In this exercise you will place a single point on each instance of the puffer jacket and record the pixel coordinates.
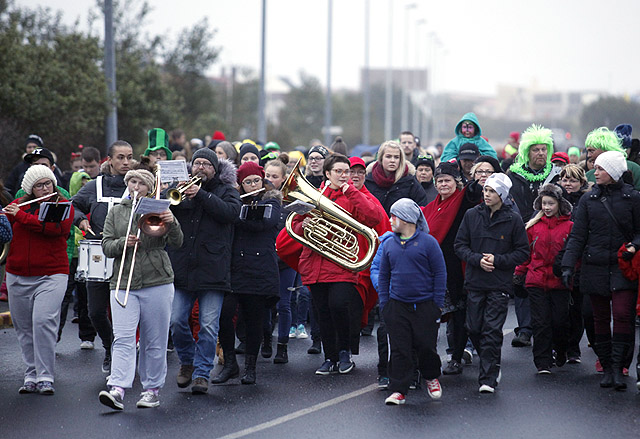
(502, 235)
(152, 267)
(546, 238)
(315, 268)
(203, 263)
(596, 238)
(254, 263)
(405, 187)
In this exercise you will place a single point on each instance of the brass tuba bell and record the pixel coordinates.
(332, 231)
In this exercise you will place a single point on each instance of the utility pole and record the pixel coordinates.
(262, 125)
(111, 123)
(328, 110)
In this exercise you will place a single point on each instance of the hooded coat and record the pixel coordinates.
(452, 149)
(203, 262)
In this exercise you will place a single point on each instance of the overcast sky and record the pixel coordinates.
(550, 44)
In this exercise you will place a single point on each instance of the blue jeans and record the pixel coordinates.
(523, 313)
(300, 303)
(287, 280)
(201, 353)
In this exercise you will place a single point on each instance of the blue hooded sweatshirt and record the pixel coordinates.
(452, 149)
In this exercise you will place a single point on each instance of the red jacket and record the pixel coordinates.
(38, 249)
(630, 270)
(313, 267)
(546, 239)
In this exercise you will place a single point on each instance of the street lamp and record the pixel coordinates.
(405, 77)
(328, 104)
(388, 98)
(418, 104)
(366, 89)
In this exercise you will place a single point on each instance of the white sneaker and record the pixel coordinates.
(486, 389)
(292, 332)
(499, 376)
(396, 398)
(87, 344)
(434, 389)
(148, 399)
(301, 332)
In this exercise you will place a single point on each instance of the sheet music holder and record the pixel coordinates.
(299, 207)
(252, 212)
(54, 212)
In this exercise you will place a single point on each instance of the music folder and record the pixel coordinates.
(54, 212)
(255, 212)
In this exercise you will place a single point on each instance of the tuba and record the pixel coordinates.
(332, 232)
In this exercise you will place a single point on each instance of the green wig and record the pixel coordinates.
(605, 139)
(534, 135)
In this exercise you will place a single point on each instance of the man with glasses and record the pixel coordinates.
(202, 266)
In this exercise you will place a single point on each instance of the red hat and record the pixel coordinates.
(515, 135)
(357, 161)
(561, 156)
(249, 168)
(219, 135)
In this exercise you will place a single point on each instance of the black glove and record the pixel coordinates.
(567, 274)
(627, 256)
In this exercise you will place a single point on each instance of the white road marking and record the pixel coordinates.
(299, 413)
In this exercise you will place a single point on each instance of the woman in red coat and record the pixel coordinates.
(333, 287)
(547, 232)
(37, 272)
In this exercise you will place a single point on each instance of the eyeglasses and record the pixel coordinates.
(316, 159)
(480, 172)
(206, 165)
(44, 184)
(340, 172)
(357, 172)
(251, 182)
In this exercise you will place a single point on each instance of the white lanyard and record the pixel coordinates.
(110, 200)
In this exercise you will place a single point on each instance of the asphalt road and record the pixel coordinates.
(290, 401)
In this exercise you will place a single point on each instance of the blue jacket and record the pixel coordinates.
(416, 269)
(375, 265)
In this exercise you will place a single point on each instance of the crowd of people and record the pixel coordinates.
(415, 237)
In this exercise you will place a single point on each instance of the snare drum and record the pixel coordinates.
(92, 264)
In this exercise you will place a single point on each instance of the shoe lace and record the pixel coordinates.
(147, 395)
(433, 385)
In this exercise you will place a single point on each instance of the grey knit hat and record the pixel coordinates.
(143, 175)
(35, 173)
(208, 154)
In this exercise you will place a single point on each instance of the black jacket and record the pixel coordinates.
(596, 238)
(406, 187)
(203, 263)
(503, 235)
(85, 201)
(429, 189)
(254, 263)
(524, 192)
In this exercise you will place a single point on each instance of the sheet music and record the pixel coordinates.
(173, 170)
(151, 205)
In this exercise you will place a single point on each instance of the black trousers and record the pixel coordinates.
(333, 302)
(383, 347)
(355, 320)
(576, 323)
(459, 334)
(252, 311)
(486, 314)
(412, 327)
(98, 304)
(550, 321)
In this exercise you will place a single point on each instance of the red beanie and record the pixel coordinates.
(249, 168)
(218, 135)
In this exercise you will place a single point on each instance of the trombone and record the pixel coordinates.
(123, 303)
(176, 195)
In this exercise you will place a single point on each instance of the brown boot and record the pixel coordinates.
(184, 375)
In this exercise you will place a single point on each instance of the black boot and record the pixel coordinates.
(267, 350)
(281, 354)
(619, 351)
(603, 351)
(249, 376)
(229, 370)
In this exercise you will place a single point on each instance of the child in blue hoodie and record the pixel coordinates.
(412, 282)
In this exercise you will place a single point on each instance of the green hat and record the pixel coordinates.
(573, 150)
(158, 140)
(272, 146)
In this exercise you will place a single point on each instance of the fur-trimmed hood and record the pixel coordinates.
(553, 191)
(227, 172)
(273, 194)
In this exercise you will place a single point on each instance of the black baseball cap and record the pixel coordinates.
(38, 153)
(468, 151)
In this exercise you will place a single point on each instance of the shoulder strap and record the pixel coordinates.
(110, 200)
(605, 203)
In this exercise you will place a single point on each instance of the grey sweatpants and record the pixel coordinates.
(34, 302)
(151, 308)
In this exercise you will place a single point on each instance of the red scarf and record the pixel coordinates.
(381, 178)
(441, 214)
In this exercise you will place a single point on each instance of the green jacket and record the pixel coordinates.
(631, 166)
(153, 266)
(452, 149)
(72, 251)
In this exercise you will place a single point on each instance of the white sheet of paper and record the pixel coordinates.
(151, 205)
(173, 170)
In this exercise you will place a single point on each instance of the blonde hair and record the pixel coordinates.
(401, 166)
(574, 171)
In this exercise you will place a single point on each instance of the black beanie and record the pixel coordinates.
(492, 161)
(448, 168)
(248, 147)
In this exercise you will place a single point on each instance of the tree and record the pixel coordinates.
(609, 111)
(303, 112)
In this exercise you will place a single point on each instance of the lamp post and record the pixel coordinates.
(404, 118)
(366, 89)
(328, 104)
(111, 125)
(262, 124)
(388, 97)
(417, 105)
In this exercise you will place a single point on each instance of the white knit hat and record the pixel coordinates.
(500, 183)
(613, 162)
(35, 173)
